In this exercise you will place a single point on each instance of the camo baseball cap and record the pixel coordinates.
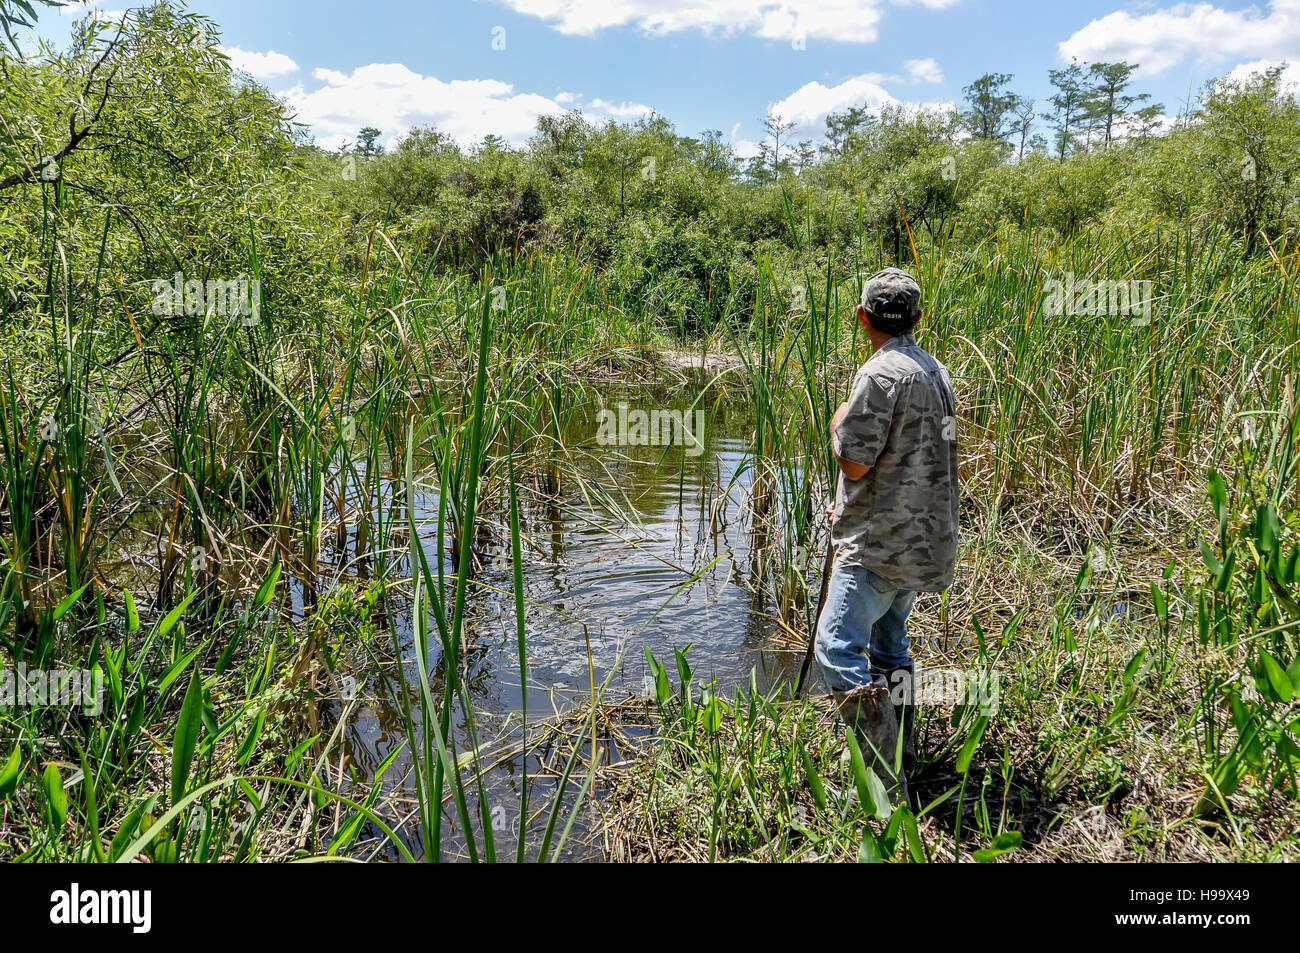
(892, 295)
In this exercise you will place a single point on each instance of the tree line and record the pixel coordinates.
(140, 137)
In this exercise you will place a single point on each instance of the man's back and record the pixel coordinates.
(900, 519)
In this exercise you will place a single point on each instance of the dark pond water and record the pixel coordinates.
(628, 578)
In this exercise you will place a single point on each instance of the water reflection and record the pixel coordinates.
(629, 580)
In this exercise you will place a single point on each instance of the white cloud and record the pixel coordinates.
(91, 8)
(624, 110)
(809, 105)
(1201, 31)
(1130, 125)
(742, 147)
(395, 99)
(1290, 72)
(600, 109)
(847, 20)
(268, 65)
(924, 71)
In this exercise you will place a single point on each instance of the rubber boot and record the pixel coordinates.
(902, 696)
(867, 712)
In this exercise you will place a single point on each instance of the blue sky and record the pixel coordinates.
(477, 66)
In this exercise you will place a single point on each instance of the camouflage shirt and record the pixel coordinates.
(900, 519)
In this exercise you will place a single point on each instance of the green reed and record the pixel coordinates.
(455, 391)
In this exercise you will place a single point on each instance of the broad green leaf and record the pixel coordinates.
(170, 619)
(871, 793)
(1218, 494)
(1134, 664)
(814, 780)
(249, 743)
(1158, 601)
(972, 742)
(1211, 561)
(132, 614)
(879, 795)
(1218, 788)
(859, 769)
(124, 834)
(56, 800)
(176, 668)
(92, 808)
(1278, 679)
(1003, 843)
(869, 851)
(68, 601)
(10, 774)
(186, 737)
(267, 589)
(914, 845)
(1267, 529)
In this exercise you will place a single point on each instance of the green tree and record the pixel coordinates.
(991, 105)
(20, 13)
(1108, 101)
(367, 139)
(768, 165)
(1146, 121)
(843, 127)
(1069, 105)
(1024, 123)
(712, 154)
(141, 125)
(1247, 143)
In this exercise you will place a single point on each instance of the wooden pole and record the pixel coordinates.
(821, 604)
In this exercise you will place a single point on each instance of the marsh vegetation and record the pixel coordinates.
(358, 579)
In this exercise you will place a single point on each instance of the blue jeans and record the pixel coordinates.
(864, 624)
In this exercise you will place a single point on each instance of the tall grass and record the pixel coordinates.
(272, 434)
(339, 473)
(1085, 440)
